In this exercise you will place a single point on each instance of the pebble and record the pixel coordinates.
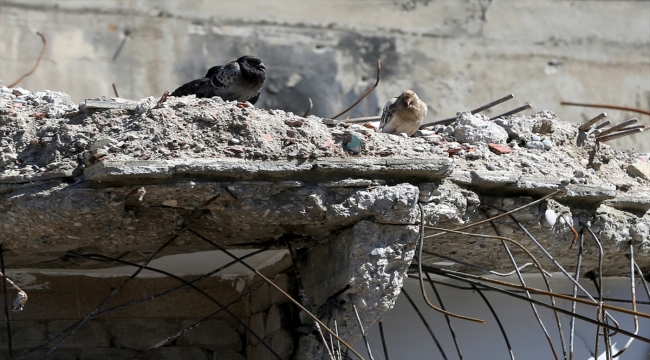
(535, 145)
(490, 167)
(171, 202)
(550, 217)
(548, 144)
(235, 141)
(535, 137)
(20, 91)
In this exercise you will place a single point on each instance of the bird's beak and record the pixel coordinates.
(408, 102)
(261, 66)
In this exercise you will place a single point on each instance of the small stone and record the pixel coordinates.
(171, 202)
(550, 217)
(234, 141)
(640, 169)
(535, 137)
(506, 229)
(198, 148)
(500, 149)
(490, 167)
(20, 91)
(535, 145)
(548, 144)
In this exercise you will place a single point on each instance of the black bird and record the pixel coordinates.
(239, 80)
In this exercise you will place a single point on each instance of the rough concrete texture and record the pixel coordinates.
(72, 182)
(371, 259)
(454, 54)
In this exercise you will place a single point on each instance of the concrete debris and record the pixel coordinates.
(73, 179)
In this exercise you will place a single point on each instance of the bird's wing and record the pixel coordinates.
(225, 76)
(387, 113)
(254, 99)
(198, 87)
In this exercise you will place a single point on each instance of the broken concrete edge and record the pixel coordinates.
(413, 171)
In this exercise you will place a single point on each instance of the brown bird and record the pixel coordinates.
(403, 114)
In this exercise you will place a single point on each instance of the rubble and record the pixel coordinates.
(113, 176)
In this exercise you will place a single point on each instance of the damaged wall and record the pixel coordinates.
(454, 54)
(249, 178)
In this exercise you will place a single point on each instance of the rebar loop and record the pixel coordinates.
(424, 292)
(600, 312)
(426, 324)
(547, 283)
(206, 295)
(442, 306)
(294, 301)
(196, 215)
(468, 278)
(521, 280)
(304, 298)
(444, 231)
(494, 313)
(633, 290)
(575, 293)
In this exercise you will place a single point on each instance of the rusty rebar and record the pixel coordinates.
(494, 313)
(521, 280)
(575, 293)
(442, 306)
(477, 110)
(474, 266)
(303, 295)
(365, 94)
(587, 125)
(362, 119)
(363, 332)
(383, 340)
(618, 127)
(294, 301)
(115, 90)
(195, 216)
(546, 282)
(600, 310)
(633, 291)
(420, 245)
(195, 288)
(38, 61)
(468, 279)
(619, 134)
(604, 106)
(311, 105)
(444, 231)
(163, 98)
(513, 111)
(425, 323)
(6, 304)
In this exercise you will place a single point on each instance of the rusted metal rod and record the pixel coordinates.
(603, 106)
(365, 94)
(587, 125)
(477, 110)
(618, 135)
(618, 127)
(514, 111)
(278, 289)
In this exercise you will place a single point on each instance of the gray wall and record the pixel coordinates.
(455, 54)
